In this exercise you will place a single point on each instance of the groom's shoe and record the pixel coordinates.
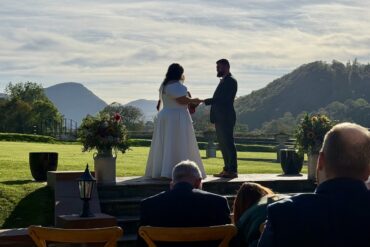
(219, 175)
(230, 175)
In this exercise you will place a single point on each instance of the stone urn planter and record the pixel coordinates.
(41, 163)
(311, 165)
(291, 161)
(210, 136)
(105, 168)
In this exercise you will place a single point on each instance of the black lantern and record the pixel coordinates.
(86, 185)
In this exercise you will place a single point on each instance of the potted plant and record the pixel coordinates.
(309, 135)
(104, 133)
(291, 161)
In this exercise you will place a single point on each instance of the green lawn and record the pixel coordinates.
(24, 202)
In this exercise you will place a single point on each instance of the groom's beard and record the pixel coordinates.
(219, 74)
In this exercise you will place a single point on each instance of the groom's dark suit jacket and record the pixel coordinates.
(222, 102)
(184, 206)
(337, 214)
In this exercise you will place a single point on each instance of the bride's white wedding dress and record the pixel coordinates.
(173, 137)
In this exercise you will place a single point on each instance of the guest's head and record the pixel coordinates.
(345, 153)
(187, 171)
(222, 67)
(247, 195)
(175, 72)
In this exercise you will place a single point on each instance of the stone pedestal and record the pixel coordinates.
(211, 150)
(281, 138)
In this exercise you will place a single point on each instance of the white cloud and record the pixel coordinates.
(121, 49)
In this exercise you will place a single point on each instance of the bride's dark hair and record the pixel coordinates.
(174, 72)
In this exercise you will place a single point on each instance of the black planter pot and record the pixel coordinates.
(41, 163)
(291, 162)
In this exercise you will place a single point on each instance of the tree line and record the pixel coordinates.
(25, 107)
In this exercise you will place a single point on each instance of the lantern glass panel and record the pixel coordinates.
(85, 188)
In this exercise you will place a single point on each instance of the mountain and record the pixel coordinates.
(3, 96)
(148, 107)
(307, 88)
(74, 100)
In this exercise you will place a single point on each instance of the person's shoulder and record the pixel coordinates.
(289, 203)
(154, 199)
(175, 88)
(231, 78)
(176, 84)
(209, 195)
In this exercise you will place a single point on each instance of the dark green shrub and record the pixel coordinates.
(16, 137)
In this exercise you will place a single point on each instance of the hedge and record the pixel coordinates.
(133, 142)
(16, 137)
(203, 145)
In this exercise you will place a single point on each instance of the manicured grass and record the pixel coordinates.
(24, 202)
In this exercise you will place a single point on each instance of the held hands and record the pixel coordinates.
(196, 101)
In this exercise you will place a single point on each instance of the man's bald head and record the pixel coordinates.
(346, 151)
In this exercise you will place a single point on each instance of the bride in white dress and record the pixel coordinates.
(173, 137)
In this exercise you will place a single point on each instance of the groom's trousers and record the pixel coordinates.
(225, 137)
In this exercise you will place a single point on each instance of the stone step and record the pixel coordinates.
(118, 207)
(129, 207)
(113, 191)
(221, 186)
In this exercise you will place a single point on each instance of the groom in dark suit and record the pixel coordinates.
(224, 117)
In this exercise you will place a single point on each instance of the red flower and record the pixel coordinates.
(117, 117)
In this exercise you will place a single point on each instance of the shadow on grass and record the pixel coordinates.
(35, 209)
(17, 182)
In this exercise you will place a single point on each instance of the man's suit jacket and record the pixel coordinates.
(184, 206)
(337, 214)
(222, 102)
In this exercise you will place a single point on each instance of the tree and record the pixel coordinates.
(28, 92)
(132, 117)
(27, 106)
(285, 124)
(16, 117)
(45, 111)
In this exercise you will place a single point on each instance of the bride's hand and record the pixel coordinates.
(196, 101)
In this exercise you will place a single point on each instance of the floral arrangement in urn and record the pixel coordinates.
(104, 133)
(311, 131)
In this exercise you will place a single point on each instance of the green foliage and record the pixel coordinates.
(133, 117)
(307, 89)
(285, 124)
(203, 146)
(45, 110)
(16, 137)
(26, 107)
(201, 118)
(103, 133)
(28, 92)
(311, 131)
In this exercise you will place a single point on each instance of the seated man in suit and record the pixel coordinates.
(338, 212)
(185, 205)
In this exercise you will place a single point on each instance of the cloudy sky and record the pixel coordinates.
(121, 49)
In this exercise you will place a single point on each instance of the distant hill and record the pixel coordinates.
(74, 100)
(148, 107)
(3, 96)
(307, 88)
